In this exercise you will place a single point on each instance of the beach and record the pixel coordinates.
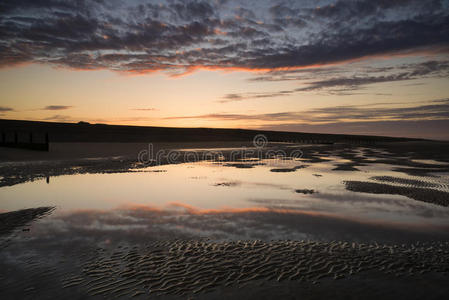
(192, 149)
(191, 249)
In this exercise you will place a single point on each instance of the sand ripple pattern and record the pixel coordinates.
(413, 182)
(421, 194)
(190, 267)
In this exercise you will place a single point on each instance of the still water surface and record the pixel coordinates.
(266, 199)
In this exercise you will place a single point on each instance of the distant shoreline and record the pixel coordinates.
(85, 132)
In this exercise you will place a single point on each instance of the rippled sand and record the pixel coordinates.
(417, 193)
(192, 267)
(83, 258)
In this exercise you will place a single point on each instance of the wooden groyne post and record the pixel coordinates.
(25, 143)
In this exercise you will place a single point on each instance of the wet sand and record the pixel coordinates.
(410, 182)
(416, 193)
(195, 269)
(304, 191)
(16, 220)
(251, 269)
(368, 285)
(89, 150)
(285, 170)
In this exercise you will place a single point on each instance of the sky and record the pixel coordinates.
(357, 67)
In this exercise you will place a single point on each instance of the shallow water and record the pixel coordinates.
(110, 231)
(264, 200)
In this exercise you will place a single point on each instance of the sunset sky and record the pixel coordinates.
(362, 67)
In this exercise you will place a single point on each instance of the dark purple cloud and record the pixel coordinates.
(182, 35)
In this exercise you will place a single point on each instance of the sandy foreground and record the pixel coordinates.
(206, 269)
(243, 269)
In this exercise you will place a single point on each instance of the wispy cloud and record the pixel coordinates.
(57, 107)
(59, 118)
(337, 82)
(431, 129)
(145, 109)
(428, 120)
(435, 110)
(4, 109)
(412, 72)
(232, 98)
(245, 96)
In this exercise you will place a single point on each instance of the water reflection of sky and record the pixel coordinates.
(227, 202)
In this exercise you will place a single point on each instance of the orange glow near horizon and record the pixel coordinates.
(226, 64)
(167, 98)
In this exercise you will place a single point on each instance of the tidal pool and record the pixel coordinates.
(250, 199)
(182, 229)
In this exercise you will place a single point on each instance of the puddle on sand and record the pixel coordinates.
(220, 200)
(109, 230)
